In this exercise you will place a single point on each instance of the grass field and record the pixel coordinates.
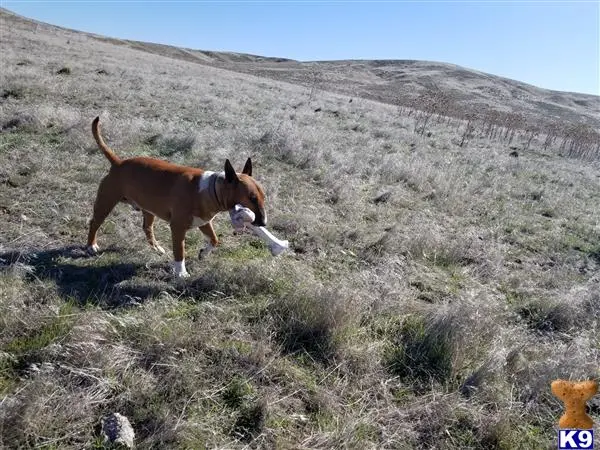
(431, 294)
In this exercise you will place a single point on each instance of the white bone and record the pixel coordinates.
(240, 216)
(275, 245)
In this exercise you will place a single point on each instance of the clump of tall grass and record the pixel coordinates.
(312, 320)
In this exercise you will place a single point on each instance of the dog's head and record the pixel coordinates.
(246, 191)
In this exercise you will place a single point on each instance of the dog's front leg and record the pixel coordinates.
(149, 231)
(178, 237)
(213, 241)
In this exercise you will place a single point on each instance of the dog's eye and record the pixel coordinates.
(254, 199)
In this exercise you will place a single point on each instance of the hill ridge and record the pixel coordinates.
(389, 81)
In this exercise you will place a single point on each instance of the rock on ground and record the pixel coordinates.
(116, 429)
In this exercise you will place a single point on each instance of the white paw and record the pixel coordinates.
(159, 249)
(179, 269)
(93, 249)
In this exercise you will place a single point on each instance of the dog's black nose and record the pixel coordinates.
(260, 219)
(259, 222)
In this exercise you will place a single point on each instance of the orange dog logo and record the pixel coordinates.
(574, 395)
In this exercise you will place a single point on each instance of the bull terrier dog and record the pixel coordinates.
(185, 197)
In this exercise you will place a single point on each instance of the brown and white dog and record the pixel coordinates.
(185, 197)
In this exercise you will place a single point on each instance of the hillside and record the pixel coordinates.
(391, 81)
(441, 274)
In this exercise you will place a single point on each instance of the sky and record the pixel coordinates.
(554, 45)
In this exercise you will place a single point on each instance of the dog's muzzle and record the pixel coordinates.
(260, 218)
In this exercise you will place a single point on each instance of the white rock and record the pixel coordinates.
(116, 429)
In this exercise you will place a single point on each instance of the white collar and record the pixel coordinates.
(207, 177)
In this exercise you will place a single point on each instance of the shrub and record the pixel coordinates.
(550, 316)
(14, 92)
(284, 145)
(171, 145)
(251, 420)
(422, 351)
(236, 392)
(21, 122)
(310, 321)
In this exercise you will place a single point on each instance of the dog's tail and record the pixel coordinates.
(110, 155)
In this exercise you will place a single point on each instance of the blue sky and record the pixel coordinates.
(553, 45)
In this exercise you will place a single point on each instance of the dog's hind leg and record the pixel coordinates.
(178, 236)
(106, 199)
(149, 231)
(209, 232)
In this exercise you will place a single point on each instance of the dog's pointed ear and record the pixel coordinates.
(248, 167)
(230, 174)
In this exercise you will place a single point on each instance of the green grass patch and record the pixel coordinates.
(521, 435)
(18, 353)
(250, 420)
(549, 316)
(299, 369)
(237, 392)
(365, 432)
(513, 297)
(184, 310)
(12, 141)
(581, 239)
(420, 352)
(245, 251)
(8, 379)
(56, 329)
(309, 321)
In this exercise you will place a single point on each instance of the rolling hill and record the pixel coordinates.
(389, 81)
